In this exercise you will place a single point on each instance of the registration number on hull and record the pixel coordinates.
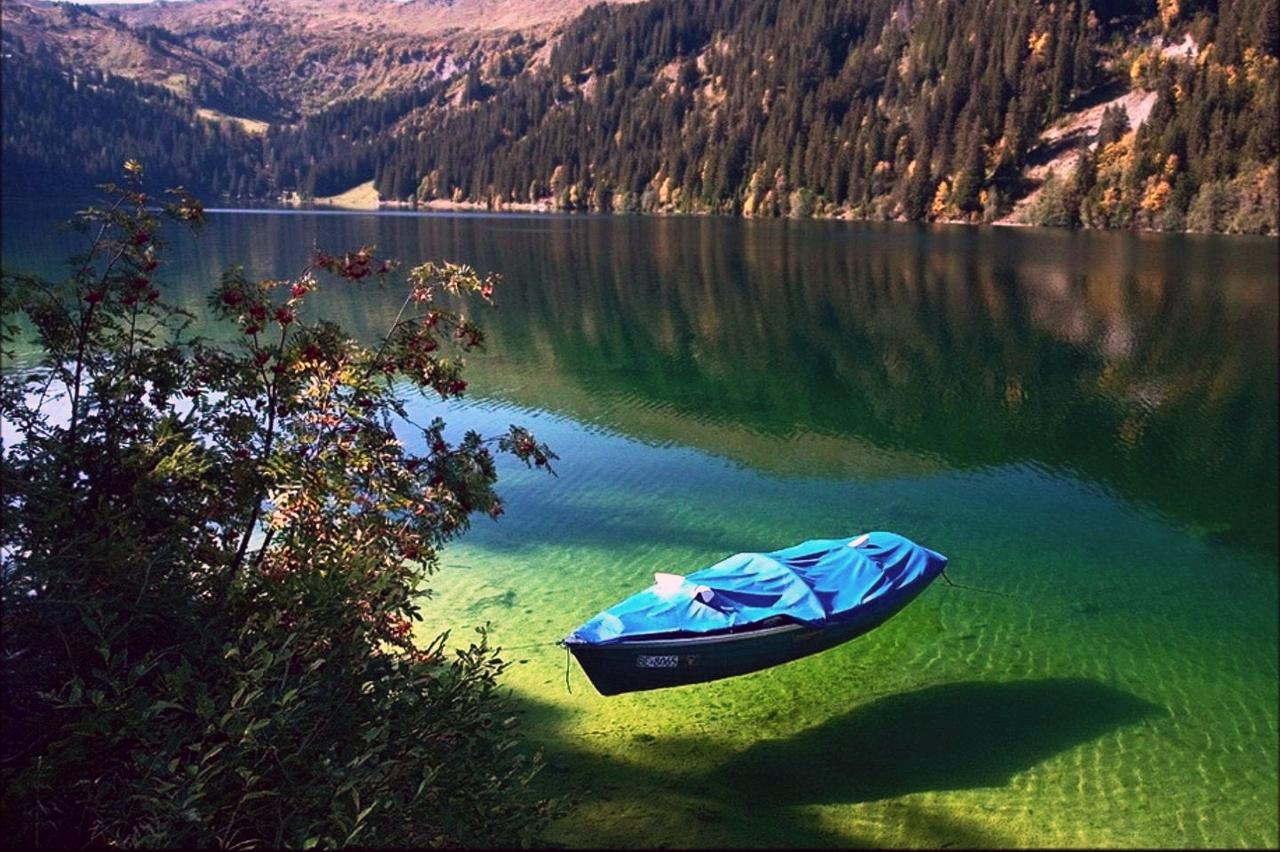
(657, 661)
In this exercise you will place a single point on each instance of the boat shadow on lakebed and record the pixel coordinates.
(951, 736)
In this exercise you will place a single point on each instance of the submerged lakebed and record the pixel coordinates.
(1084, 422)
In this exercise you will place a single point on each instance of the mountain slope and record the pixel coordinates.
(880, 109)
(83, 38)
(889, 109)
(65, 131)
(312, 52)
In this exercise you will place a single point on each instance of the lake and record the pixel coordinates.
(1083, 422)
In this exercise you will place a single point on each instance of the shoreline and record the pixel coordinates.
(363, 199)
(333, 206)
(439, 207)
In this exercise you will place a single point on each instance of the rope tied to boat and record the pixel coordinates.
(543, 644)
(972, 588)
(567, 661)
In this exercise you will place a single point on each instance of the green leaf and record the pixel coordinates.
(212, 753)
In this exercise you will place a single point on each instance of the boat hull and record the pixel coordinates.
(640, 664)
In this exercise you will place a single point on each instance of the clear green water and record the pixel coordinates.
(1086, 422)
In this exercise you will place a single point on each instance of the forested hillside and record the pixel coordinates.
(775, 108)
(1098, 113)
(65, 131)
(875, 109)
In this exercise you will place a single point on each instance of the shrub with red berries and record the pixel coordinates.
(213, 562)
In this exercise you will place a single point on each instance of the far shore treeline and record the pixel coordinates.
(974, 110)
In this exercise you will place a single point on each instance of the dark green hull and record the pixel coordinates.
(638, 664)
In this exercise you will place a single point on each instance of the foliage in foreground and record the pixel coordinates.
(212, 562)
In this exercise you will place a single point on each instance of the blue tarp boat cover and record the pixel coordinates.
(815, 582)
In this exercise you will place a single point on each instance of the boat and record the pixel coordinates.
(751, 611)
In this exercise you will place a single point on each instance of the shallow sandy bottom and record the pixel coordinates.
(1124, 696)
